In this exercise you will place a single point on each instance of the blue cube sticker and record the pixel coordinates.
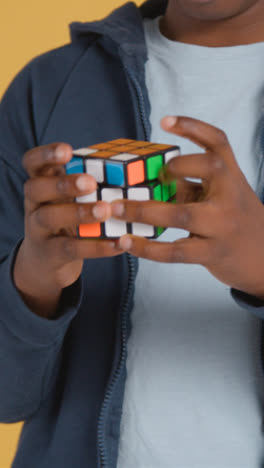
(115, 174)
(74, 166)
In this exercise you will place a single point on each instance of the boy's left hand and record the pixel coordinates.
(224, 216)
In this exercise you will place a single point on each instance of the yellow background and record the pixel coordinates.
(29, 28)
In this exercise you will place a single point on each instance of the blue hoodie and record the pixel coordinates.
(65, 377)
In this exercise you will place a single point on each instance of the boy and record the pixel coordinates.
(163, 369)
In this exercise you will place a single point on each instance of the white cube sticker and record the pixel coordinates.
(113, 227)
(143, 230)
(84, 151)
(171, 154)
(140, 193)
(124, 157)
(111, 194)
(95, 168)
(90, 198)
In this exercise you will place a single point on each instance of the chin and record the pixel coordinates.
(214, 10)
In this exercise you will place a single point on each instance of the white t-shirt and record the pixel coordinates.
(192, 394)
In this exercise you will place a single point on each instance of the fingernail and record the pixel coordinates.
(170, 121)
(98, 211)
(118, 209)
(82, 183)
(59, 153)
(125, 243)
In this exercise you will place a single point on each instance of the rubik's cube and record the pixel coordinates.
(123, 169)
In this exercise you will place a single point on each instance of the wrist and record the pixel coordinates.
(41, 296)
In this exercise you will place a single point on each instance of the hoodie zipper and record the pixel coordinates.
(111, 385)
(140, 100)
(103, 462)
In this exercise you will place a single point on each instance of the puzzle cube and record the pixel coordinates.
(114, 228)
(122, 162)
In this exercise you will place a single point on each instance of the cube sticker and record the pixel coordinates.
(141, 194)
(122, 162)
(115, 174)
(154, 165)
(113, 227)
(95, 168)
(90, 230)
(90, 198)
(173, 188)
(135, 172)
(157, 191)
(124, 169)
(165, 193)
(84, 151)
(171, 154)
(75, 166)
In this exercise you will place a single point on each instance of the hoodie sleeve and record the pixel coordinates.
(31, 347)
(29, 344)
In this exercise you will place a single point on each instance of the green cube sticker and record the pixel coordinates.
(165, 193)
(154, 165)
(160, 230)
(157, 193)
(173, 188)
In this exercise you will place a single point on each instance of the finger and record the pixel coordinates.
(189, 191)
(53, 218)
(203, 134)
(188, 250)
(68, 249)
(195, 217)
(42, 158)
(45, 189)
(207, 166)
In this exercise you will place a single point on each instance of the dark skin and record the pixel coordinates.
(223, 215)
(220, 23)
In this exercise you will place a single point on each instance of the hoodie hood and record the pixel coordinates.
(123, 25)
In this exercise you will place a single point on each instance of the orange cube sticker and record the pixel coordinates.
(90, 230)
(135, 172)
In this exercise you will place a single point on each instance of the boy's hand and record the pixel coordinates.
(51, 256)
(224, 216)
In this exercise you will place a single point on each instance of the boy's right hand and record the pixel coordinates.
(51, 256)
